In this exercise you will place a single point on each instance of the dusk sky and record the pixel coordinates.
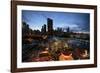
(78, 22)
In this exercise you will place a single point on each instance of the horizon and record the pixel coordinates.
(77, 22)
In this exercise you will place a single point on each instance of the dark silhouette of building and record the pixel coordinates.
(43, 30)
(50, 26)
(25, 28)
(68, 29)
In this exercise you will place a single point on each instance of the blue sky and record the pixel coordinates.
(76, 21)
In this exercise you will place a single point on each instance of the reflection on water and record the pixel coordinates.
(78, 43)
(56, 48)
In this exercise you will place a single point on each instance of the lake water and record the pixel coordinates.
(74, 43)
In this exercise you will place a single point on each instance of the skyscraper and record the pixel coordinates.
(50, 26)
(43, 30)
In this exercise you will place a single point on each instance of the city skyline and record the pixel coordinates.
(78, 22)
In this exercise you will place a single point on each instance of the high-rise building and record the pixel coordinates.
(43, 30)
(50, 26)
(25, 28)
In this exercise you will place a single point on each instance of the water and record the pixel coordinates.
(73, 43)
(78, 43)
(33, 49)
